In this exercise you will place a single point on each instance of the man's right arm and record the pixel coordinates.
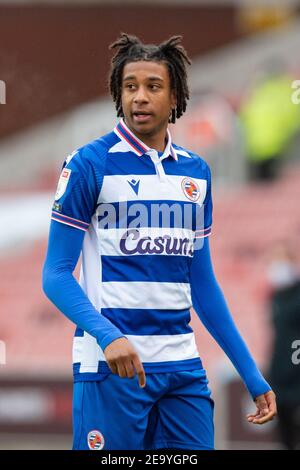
(60, 286)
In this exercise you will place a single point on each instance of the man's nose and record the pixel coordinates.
(141, 95)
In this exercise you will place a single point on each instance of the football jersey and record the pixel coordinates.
(144, 213)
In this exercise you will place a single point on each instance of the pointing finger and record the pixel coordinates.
(140, 371)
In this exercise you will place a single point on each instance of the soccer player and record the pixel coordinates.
(139, 209)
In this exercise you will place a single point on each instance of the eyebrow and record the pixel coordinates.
(152, 78)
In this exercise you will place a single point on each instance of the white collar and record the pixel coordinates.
(136, 145)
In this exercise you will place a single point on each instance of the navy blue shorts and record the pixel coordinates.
(173, 410)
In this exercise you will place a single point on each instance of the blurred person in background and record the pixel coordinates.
(270, 120)
(284, 375)
(132, 307)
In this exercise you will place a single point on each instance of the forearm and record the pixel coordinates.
(211, 307)
(63, 290)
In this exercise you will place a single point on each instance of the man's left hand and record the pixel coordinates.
(265, 408)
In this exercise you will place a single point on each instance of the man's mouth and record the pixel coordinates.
(141, 116)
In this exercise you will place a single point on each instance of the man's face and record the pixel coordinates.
(147, 98)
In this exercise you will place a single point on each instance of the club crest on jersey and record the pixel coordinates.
(190, 189)
(95, 440)
(62, 183)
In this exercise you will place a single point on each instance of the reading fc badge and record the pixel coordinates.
(190, 189)
(95, 440)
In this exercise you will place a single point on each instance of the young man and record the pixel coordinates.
(131, 202)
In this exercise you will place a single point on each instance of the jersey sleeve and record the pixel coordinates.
(77, 191)
(211, 307)
(61, 287)
(204, 228)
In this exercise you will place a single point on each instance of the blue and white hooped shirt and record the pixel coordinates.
(143, 213)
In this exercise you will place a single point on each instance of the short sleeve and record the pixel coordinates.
(77, 192)
(205, 229)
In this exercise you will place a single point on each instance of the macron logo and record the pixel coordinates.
(135, 185)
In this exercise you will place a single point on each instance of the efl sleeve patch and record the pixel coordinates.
(62, 183)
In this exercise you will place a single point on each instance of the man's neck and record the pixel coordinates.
(157, 141)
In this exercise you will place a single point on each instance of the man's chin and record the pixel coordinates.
(140, 127)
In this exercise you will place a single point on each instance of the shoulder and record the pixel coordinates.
(198, 162)
(91, 155)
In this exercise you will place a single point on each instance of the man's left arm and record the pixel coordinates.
(211, 307)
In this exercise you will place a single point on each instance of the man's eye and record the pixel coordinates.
(154, 87)
(130, 86)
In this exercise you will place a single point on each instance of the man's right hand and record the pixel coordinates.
(124, 360)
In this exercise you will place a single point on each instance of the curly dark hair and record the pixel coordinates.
(171, 52)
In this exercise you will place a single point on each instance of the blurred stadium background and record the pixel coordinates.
(54, 62)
